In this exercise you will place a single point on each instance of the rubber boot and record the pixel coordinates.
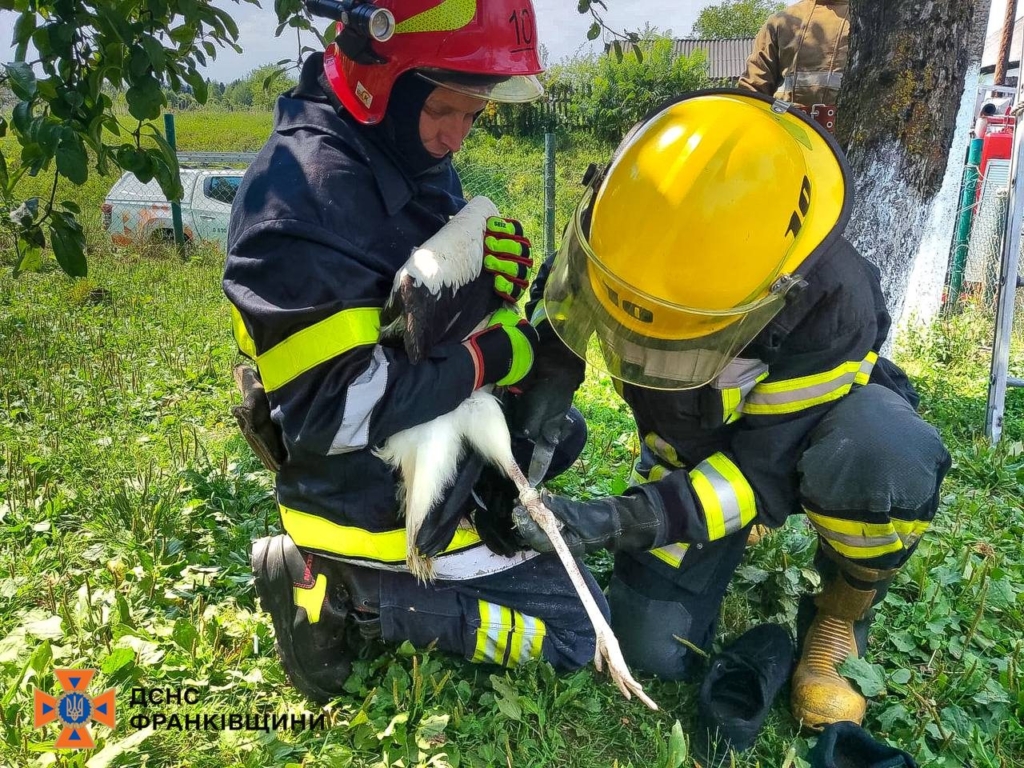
(317, 628)
(838, 630)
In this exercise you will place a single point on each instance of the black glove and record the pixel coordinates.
(632, 523)
(253, 417)
(547, 392)
(495, 496)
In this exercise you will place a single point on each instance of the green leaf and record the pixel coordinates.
(900, 676)
(68, 243)
(72, 161)
(4, 178)
(22, 79)
(145, 98)
(68, 205)
(46, 629)
(870, 678)
(31, 258)
(583, 6)
(38, 661)
(185, 634)
(594, 32)
(119, 658)
(677, 751)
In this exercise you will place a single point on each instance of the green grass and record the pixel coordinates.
(128, 502)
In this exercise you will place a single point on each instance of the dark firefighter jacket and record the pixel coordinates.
(727, 452)
(321, 223)
(800, 54)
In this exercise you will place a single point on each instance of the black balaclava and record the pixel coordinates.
(401, 124)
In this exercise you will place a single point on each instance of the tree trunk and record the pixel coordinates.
(902, 103)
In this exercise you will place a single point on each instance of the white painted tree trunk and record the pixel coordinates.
(904, 116)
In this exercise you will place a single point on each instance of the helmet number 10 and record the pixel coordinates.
(796, 221)
(522, 20)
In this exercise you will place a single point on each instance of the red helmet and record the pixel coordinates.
(483, 48)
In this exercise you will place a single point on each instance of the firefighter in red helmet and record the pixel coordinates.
(357, 174)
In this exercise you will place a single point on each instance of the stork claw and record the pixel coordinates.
(607, 646)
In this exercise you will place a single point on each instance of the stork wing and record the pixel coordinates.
(425, 300)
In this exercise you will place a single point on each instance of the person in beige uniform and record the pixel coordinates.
(799, 56)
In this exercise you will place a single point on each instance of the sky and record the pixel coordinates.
(562, 31)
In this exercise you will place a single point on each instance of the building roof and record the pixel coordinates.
(991, 52)
(726, 58)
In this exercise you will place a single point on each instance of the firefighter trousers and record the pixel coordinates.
(869, 486)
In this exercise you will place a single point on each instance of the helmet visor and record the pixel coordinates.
(638, 338)
(517, 89)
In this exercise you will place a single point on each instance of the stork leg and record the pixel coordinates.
(488, 435)
(607, 645)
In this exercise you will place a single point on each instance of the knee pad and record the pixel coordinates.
(645, 628)
(872, 453)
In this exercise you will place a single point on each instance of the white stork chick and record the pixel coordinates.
(429, 296)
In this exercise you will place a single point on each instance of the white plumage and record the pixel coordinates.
(437, 290)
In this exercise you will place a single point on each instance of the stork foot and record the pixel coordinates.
(608, 651)
(420, 566)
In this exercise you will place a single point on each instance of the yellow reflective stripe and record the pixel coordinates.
(791, 395)
(312, 600)
(662, 449)
(504, 634)
(855, 539)
(657, 472)
(446, 16)
(502, 628)
(868, 365)
(535, 648)
(242, 338)
(484, 650)
(671, 553)
(323, 535)
(731, 399)
(724, 494)
(910, 531)
(316, 344)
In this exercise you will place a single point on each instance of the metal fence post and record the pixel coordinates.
(549, 194)
(179, 229)
(1008, 283)
(963, 227)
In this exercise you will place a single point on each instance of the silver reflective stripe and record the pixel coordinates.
(843, 381)
(727, 498)
(494, 630)
(530, 628)
(471, 563)
(671, 553)
(804, 79)
(741, 373)
(860, 542)
(361, 398)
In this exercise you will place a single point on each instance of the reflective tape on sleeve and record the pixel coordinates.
(724, 494)
(317, 344)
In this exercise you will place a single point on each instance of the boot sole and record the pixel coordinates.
(273, 588)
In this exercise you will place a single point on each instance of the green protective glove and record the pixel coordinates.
(507, 257)
(503, 352)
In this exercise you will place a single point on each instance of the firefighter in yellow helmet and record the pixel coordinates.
(705, 269)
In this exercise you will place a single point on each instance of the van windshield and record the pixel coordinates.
(222, 188)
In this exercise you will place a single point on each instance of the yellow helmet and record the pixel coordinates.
(687, 245)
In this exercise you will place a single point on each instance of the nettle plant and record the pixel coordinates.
(75, 62)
